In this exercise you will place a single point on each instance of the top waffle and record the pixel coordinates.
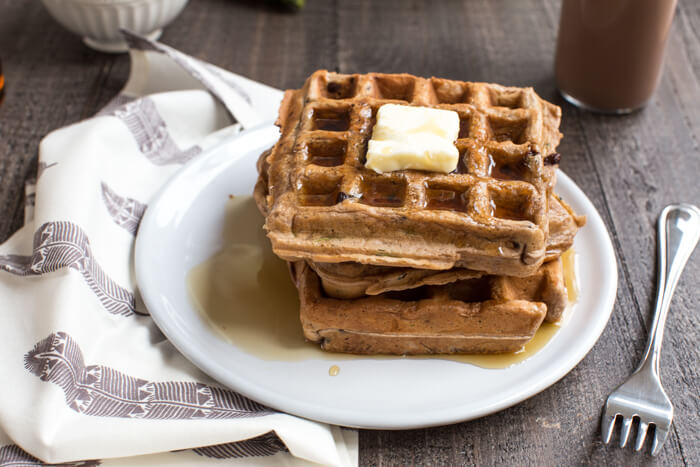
(488, 215)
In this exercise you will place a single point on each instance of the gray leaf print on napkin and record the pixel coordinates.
(15, 456)
(263, 445)
(126, 212)
(59, 245)
(19, 265)
(103, 391)
(151, 133)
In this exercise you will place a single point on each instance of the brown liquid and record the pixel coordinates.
(514, 171)
(445, 199)
(331, 119)
(326, 160)
(389, 194)
(505, 211)
(327, 153)
(610, 52)
(464, 128)
(318, 199)
(244, 292)
(331, 124)
(462, 166)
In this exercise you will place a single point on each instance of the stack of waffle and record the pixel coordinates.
(416, 262)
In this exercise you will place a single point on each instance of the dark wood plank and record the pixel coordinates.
(630, 167)
(50, 78)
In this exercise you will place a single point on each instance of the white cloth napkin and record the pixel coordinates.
(84, 372)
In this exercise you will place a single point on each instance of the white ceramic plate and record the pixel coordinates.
(181, 229)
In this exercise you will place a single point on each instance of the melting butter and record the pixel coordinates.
(246, 295)
(410, 137)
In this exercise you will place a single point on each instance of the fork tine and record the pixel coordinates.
(641, 435)
(659, 439)
(607, 424)
(625, 432)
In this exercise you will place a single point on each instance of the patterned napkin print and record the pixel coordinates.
(92, 358)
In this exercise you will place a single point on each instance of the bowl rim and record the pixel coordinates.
(113, 2)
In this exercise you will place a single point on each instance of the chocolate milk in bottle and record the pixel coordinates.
(610, 52)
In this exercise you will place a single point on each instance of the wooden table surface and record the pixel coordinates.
(630, 167)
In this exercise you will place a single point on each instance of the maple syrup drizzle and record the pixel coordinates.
(568, 260)
(326, 160)
(512, 171)
(318, 199)
(331, 119)
(445, 199)
(388, 194)
(503, 211)
(327, 153)
(331, 124)
(464, 128)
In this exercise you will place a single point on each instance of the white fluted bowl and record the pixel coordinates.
(99, 21)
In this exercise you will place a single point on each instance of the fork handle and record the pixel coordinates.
(679, 231)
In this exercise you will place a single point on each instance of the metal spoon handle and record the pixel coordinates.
(679, 232)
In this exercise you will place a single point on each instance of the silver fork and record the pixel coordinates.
(642, 395)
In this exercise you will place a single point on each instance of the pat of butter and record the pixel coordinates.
(419, 138)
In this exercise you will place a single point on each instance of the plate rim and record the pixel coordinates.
(302, 408)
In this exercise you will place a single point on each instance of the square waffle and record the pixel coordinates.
(482, 314)
(490, 214)
(352, 280)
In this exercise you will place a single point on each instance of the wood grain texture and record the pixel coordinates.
(630, 167)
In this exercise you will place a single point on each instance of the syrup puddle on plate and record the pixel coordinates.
(246, 295)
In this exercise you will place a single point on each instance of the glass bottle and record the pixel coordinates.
(610, 52)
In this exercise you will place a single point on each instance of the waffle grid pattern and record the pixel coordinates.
(489, 214)
(500, 169)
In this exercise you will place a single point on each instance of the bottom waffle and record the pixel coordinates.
(486, 314)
